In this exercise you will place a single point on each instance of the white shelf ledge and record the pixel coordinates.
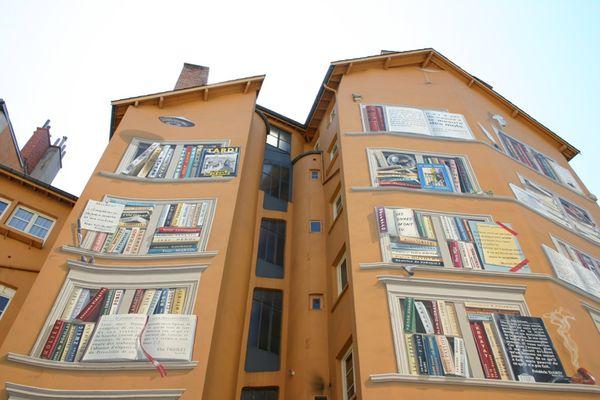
(18, 392)
(487, 383)
(113, 175)
(110, 256)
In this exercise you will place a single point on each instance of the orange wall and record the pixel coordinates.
(8, 151)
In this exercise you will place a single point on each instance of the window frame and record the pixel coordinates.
(8, 293)
(8, 204)
(314, 172)
(279, 240)
(283, 186)
(259, 332)
(339, 276)
(337, 205)
(457, 292)
(280, 134)
(345, 388)
(31, 222)
(310, 226)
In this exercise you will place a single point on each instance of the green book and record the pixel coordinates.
(410, 321)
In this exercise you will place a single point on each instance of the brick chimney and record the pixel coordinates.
(192, 75)
(36, 147)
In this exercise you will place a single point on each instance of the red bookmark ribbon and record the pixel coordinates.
(159, 367)
(519, 266)
(500, 224)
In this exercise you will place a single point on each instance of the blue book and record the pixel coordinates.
(434, 361)
(435, 177)
(154, 303)
(74, 345)
(162, 302)
(173, 250)
(462, 232)
(420, 354)
(191, 162)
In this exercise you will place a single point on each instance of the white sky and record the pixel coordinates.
(65, 60)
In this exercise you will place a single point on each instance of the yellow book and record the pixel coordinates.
(445, 354)
(146, 300)
(85, 338)
(412, 356)
(443, 313)
(63, 356)
(177, 215)
(179, 301)
(150, 163)
(428, 225)
(452, 319)
(489, 330)
(66, 315)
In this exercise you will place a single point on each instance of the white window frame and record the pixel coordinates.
(8, 203)
(343, 370)
(95, 276)
(337, 205)
(31, 222)
(419, 157)
(594, 314)
(8, 293)
(338, 273)
(310, 222)
(436, 289)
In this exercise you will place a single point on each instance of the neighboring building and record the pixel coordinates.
(32, 212)
(385, 249)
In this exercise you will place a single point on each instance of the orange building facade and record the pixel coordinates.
(419, 235)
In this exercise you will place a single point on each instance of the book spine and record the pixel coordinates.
(108, 242)
(186, 161)
(134, 166)
(484, 350)
(146, 301)
(414, 240)
(85, 338)
(421, 357)
(453, 247)
(135, 248)
(162, 302)
(122, 241)
(136, 301)
(460, 357)
(179, 301)
(173, 250)
(432, 352)
(91, 310)
(446, 355)
(443, 313)
(162, 172)
(148, 164)
(409, 315)
(453, 319)
(202, 214)
(52, 339)
(89, 238)
(464, 255)
(196, 165)
(169, 303)
(116, 301)
(177, 214)
(458, 186)
(489, 331)
(105, 310)
(83, 299)
(474, 256)
(428, 225)
(99, 241)
(131, 240)
(68, 311)
(461, 229)
(154, 302)
(170, 215)
(465, 182)
(178, 230)
(424, 317)
(435, 315)
(71, 351)
(374, 118)
(159, 161)
(190, 165)
(411, 355)
(115, 240)
(62, 340)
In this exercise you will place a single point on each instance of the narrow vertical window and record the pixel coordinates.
(342, 274)
(349, 391)
(280, 139)
(6, 295)
(314, 174)
(337, 205)
(264, 335)
(271, 248)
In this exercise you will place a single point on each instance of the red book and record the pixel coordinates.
(186, 161)
(173, 229)
(455, 253)
(490, 369)
(90, 312)
(136, 301)
(99, 241)
(52, 339)
(432, 307)
(375, 118)
(380, 118)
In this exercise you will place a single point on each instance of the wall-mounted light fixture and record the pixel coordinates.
(357, 97)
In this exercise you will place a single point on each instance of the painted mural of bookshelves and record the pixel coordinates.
(100, 315)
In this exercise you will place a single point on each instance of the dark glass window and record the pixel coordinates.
(315, 226)
(342, 275)
(280, 139)
(276, 181)
(315, 302)
(271, 393)
(314, 174)
(264, 336)
(271, 246)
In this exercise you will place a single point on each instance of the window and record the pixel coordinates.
(315, 226)
(271, 247)
(271, 393)
(175, 160)
(319, 397)
(316, 301)
(411, 120)
(342, 274)
(317, 146)
(154, 227)
(594, 314)
(574, 266)
(4, 204)
(337, 205)
(428, 238)
(427, 171)
(556, 208)
(280, 139)
(32, 222)
(539, 162)
(264, 335)
(6, 295)
(90, 295)
(348, 379)
(484, 326)
(333, 151)
(314, 174)
(275, 181)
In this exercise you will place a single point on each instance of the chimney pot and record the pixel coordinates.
(191, 76)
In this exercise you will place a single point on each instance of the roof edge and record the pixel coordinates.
(36, 182)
